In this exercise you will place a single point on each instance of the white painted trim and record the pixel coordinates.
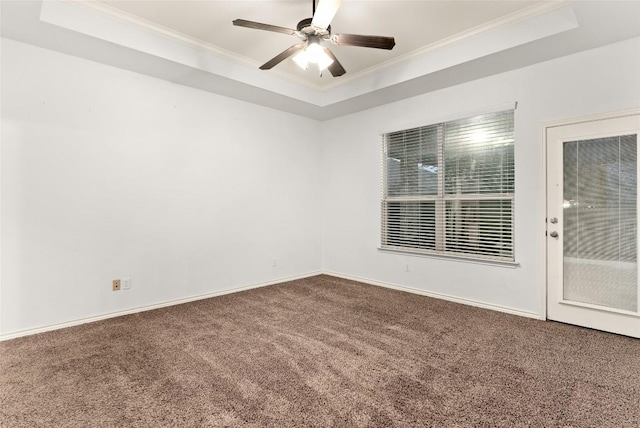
(590, 118)
(450, 117)
(87, 20)
(545, 11)
(152, 307)
(1, 39)
(168, 33)
(545, 129)
(453, 257)
(441, 296)
(513, 18)
(482, 45)
(468, 302)
(545, 214)
(600, 308)
(176, 36)
(536, 9)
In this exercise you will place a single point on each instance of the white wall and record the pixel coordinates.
(109, 174)
(601, 80)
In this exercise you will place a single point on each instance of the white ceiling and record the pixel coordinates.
(438, 43)
(414, 24)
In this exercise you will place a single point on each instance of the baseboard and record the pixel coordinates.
(265, 284)
(44, 329)
(441, 296)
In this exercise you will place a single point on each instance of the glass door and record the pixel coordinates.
(592, 229)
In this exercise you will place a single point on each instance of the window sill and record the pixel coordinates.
(453, 258)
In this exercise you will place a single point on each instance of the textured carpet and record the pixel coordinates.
(320, 352)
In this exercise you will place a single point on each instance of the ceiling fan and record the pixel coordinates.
(312, 32)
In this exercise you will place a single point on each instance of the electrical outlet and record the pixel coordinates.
(275, 263)
(126, 283)
(116, 284)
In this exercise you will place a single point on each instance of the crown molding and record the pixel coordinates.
(521, 15)
(545, 32)
(176, 36)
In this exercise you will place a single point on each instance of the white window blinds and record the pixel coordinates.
(448, 188)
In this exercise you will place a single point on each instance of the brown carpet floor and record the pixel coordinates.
(320, 352)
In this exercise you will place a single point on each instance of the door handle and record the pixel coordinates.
(554, 234)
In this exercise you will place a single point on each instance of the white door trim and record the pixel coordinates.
(545, 132)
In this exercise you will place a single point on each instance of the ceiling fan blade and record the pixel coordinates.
(325, 12)
(261, 26)
(336, 69)
(282, 56)
(378, 42)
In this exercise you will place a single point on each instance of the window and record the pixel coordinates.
(448, 188)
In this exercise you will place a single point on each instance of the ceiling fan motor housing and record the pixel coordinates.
(304, 26)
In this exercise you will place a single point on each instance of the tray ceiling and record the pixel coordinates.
(438, 43)
(414, 24)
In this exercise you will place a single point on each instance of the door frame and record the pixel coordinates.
(545, 197)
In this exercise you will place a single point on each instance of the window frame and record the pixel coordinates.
(441, 199)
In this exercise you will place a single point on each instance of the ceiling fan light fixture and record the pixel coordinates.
(315, 54)
(302, 59)
(312, 31)
(321, 57)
